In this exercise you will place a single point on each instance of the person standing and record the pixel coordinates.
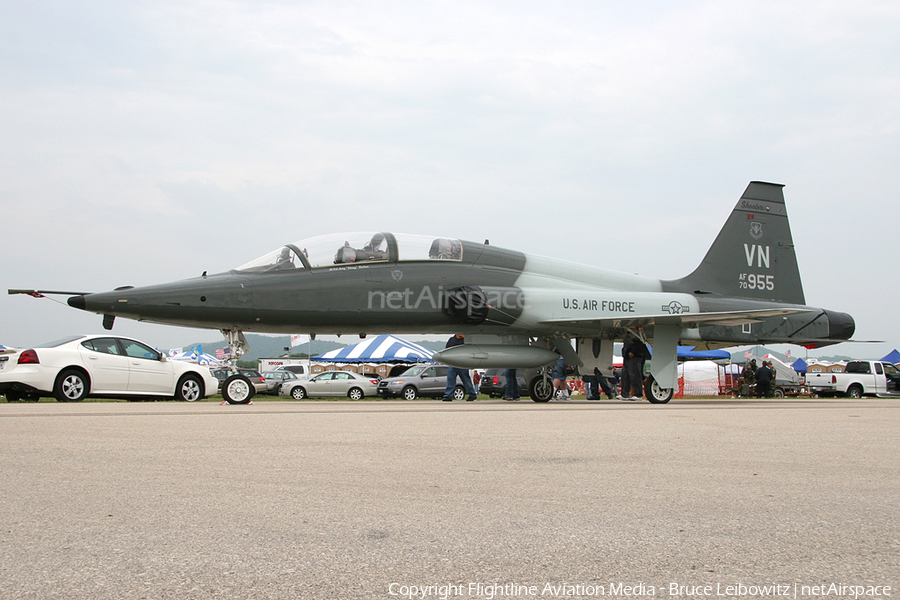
(511, 392)
(749, 375)
(634, 355)
(763, 380)
(560, 387)
(454, 372)
(603, 382)
(590, 387)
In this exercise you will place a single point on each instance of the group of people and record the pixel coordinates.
(758, 379)
(634, 355)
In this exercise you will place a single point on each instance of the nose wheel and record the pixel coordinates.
(237, 389)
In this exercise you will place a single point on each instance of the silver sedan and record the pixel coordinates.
(331, 384)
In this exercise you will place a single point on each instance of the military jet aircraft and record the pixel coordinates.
(517, 310)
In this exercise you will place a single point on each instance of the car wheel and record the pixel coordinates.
(540, 389)
(190, 388)
(12, 396)
(237, 389)
(298, 393)
(778, 393)
(855, 392)
(459, 393)
(71, 386)
(355, 394)
(410, 393)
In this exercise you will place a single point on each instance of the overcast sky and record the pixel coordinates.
(144, 142)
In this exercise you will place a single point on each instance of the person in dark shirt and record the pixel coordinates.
(634, 355)
(763, 380)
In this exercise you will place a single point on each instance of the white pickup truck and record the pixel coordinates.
(860, 378)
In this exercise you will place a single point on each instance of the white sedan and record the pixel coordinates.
(331, 384)
(100, 365)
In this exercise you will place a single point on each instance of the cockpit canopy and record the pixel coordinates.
(353, 248)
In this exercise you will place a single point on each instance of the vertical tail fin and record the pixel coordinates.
(753, 255)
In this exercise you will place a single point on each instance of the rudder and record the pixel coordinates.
(753, 255)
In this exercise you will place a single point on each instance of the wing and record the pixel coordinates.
(688, 320)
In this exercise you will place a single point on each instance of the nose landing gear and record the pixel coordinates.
(236, 389)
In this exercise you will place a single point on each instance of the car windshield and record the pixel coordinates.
(343, 249)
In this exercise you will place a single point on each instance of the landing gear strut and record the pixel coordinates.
(236, 389)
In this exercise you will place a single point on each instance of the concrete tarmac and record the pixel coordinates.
(722, 498)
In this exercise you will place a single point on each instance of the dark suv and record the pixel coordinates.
(417, 381)
(493, 383)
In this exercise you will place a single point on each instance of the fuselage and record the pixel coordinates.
(327, 285)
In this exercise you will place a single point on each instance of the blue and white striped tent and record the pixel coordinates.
(381, 348)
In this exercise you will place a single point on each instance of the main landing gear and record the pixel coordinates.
(656, 394)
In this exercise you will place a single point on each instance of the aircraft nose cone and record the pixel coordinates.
(77, 302)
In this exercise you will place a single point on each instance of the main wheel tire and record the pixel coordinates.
(355, 393)
(540, 389)
(71, 385)
(237, 389)
(190, 388)
(855, 392)
(298, 393)
(12, 396)
(657, 394)
(410, 393)
(459, 393)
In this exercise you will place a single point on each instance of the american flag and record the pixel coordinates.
(748, 354)
(221, 353)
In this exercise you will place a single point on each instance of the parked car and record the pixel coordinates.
(331, 384)
(274, 380)
(419, 380)
(301, 371)
(74, 368)
(493, 382)
(256, 380)
(860, 378)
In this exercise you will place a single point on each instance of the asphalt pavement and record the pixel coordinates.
(722, 498)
